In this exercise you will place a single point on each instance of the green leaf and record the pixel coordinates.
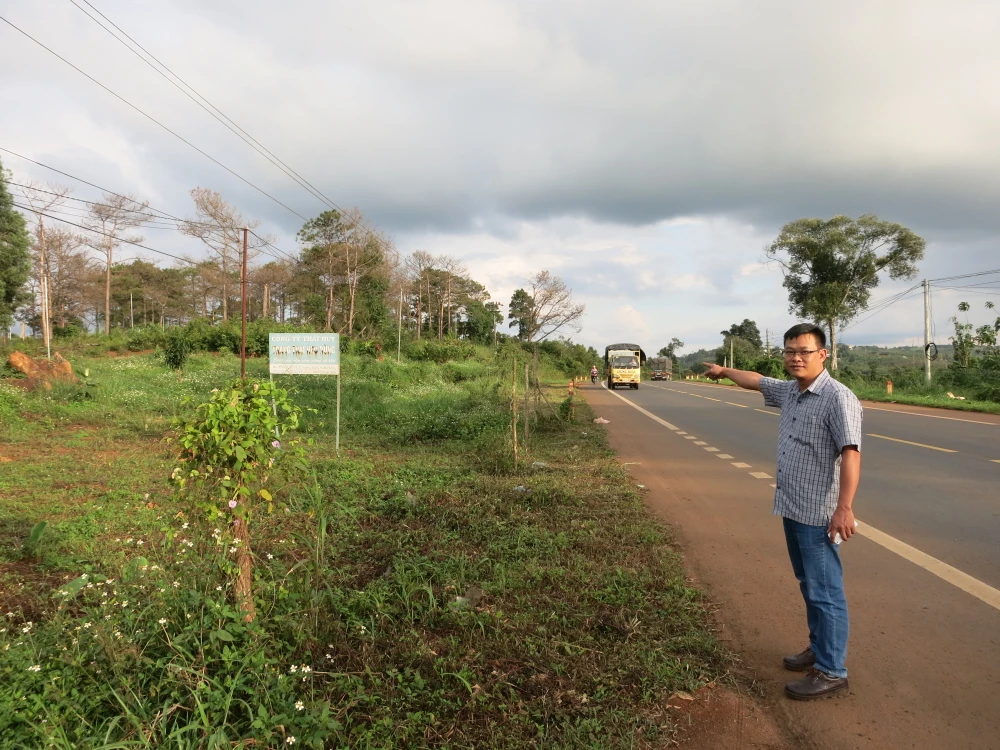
(265, 494)
(223, 635)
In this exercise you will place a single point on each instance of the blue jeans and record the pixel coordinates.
(816, 562)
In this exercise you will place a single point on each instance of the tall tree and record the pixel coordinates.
(670, 350)
(544, 309)
(220, 226)
(110, 220)
(747, 330)
(831, 266)
(520, 313)
(41, 202)
(14, 258)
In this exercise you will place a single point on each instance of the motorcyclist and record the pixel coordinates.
(593, 374)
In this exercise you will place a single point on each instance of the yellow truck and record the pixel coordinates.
(622, 364)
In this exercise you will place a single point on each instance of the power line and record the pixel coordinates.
(153, 119)
(105, 234)
(968, 275)
(226, 121)
(160, 212)
(882, 305)
(91, 184)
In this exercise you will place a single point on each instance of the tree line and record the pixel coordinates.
(64, 269)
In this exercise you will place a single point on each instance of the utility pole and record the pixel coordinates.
(43, 265)
(399, 327)
(131, 312)
(732, 362)
(767, 341)
(243, 332)
(927, 331)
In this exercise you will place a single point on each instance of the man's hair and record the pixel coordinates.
(806, 329)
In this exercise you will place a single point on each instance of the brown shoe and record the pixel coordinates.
(815, 685)
(800, 662)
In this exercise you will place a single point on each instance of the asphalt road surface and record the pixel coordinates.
(922, 577)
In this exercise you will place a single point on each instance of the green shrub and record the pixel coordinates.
(176, 348)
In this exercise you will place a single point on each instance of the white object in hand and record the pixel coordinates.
(837, 538)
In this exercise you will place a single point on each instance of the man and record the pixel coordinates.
(819, 467)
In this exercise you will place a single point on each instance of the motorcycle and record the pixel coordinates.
(593, 378)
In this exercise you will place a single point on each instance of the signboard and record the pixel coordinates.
(304, 353)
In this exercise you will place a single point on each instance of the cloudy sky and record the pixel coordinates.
(644, 150)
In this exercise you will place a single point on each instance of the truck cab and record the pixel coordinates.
(623, 365)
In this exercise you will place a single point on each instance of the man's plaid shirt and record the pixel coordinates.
(816, 425)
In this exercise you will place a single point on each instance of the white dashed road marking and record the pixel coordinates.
(760, 475)
(973, 586)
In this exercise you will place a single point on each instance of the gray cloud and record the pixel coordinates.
(472, 118)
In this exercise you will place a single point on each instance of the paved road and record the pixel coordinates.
(922, 582)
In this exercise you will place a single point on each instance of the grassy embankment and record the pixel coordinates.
(371, 631)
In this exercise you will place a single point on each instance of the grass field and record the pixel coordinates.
(416, 591)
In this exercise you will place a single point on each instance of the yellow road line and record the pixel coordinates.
(910, 442)
(995, 460)
(709, 398)
(742, 406)
(760, 475)
(765, 411)
(982, 591)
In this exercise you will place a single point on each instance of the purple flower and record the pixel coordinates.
(275, 444)
(233, 503)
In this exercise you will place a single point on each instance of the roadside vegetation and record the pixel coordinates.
(965, 375)
(422, 589)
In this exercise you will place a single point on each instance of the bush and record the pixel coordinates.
(441, 351)
(176, 348)
(144, 338)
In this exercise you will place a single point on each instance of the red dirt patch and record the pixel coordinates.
(719, 717)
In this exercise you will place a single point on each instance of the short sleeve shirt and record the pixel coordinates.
(816, 425)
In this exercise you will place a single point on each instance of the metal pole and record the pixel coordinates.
(399, 327)
(243, 332)
(927, 331)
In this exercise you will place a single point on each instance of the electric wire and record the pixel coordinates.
(155, 211)
(154, 120)
(221, 117)
(105, 234)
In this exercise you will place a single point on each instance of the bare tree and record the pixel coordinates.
(546, 309)
(42, 202)
(68, 268)
(109, 221)
(220, 226)
(419, 265)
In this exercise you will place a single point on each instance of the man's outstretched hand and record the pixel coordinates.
(714, 371)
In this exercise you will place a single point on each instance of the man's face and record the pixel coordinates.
(808, 358)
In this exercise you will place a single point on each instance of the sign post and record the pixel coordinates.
(306, 354)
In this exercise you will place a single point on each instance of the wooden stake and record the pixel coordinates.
(513, 407)
(527, 404)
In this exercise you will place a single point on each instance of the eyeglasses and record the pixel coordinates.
(790, 353)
